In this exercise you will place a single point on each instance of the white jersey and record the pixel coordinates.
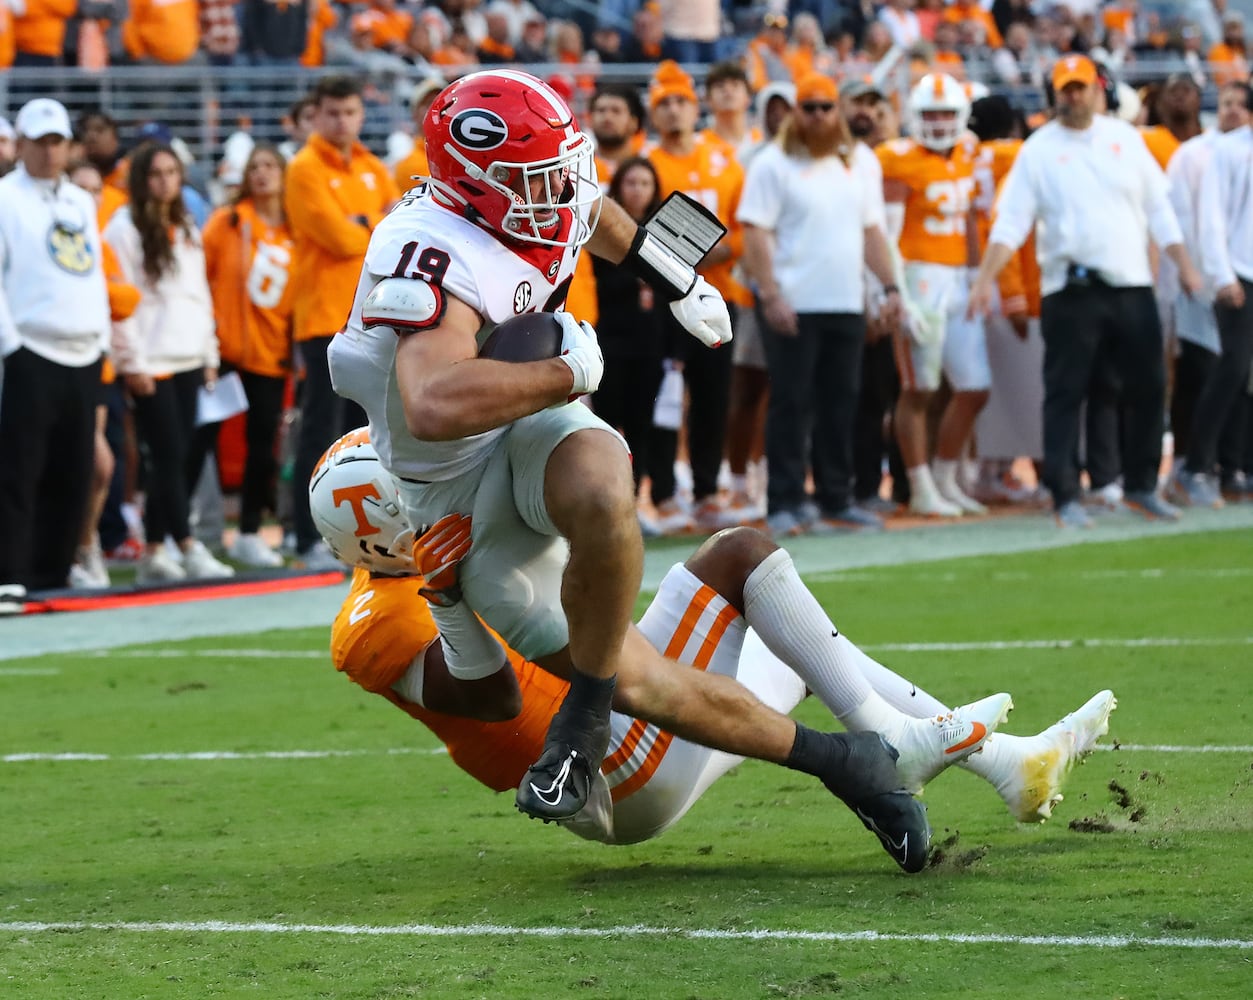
(423, 240)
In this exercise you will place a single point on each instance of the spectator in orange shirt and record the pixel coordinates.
(324, 18)
(496, 48)
(388, 26)
(1231, 54)
(969, 10)
(766, 58)
(645, 42)
(162, 31)
(39, 32)
(946, 58)
(1177, 110)
(248, 254)
(410, 171)
(337, 192)
(8, 44)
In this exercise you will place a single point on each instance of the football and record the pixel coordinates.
(529, 337)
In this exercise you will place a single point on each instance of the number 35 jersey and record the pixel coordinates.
(424, 241)
(939, 191)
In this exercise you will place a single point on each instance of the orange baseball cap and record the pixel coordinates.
(670, 80)
(1073, 69)
(816, 87)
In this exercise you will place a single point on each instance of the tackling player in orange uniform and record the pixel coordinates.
(712, 613)
(933, 175)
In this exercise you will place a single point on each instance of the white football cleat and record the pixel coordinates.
(1033, 786)
(927, 746)
(931, 504)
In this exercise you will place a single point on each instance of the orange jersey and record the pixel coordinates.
(328, 199)
(248, 265)
(409, 172)
(384, 624)
(938, 192)
(715, 179)
(963, 11)
(1230, 64)
(1161, 142)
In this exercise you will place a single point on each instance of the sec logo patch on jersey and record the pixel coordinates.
(522, 297)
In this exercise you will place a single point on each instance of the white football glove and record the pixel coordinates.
(581, 351)
(703, 314)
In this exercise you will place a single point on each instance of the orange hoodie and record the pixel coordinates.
(41, 30)
(248, 265)
(8, 44)
(327, 197)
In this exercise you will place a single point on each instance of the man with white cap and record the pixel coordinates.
(8, 147)
(55, 299)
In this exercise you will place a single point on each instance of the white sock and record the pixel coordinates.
(739, 484)
(920, 481)
(901, 694)
(790, 621)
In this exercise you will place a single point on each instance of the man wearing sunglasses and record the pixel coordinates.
(812, 211)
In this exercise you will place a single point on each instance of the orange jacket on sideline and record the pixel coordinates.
(248, 265)
(325, 195)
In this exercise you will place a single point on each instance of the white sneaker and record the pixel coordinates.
(200, 564)
(88, 571)
(319, 558)
(672, 519)
(12, 598)
(158, 566)
(928, 746)
(954, 495)
(927, 504)
(1033, 787)
(251, 550)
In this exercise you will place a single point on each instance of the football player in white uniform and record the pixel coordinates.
(718, 612)
(511, 202)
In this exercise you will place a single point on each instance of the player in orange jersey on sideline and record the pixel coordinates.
(932, 174)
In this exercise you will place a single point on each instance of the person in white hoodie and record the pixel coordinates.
(54, 328)
(165, 352)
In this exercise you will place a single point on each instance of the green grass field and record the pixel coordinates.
(410, 880)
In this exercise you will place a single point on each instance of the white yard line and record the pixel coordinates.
(630, 931)
(993, 645)
(29, 671)
(59, 758)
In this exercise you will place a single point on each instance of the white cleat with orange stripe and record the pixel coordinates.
(927, 746)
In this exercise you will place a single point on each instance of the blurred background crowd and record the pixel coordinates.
(237, 154)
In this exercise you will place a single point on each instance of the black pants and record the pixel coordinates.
(1102, 453)
(1192, 368)
(165, 423)
(1226, 382)
(47, 447)
(817, 379)
(324, 417)
(1078, 324)
(873, 435)
(625, 400)
(113, 529)
(265, 409)
(707, 372)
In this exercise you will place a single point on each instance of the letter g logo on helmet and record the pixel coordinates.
(478, 128)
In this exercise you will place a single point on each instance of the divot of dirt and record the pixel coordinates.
(1092, 824)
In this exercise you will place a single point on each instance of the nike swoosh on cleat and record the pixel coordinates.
(892, 846)
(978, 731)
(558, 785)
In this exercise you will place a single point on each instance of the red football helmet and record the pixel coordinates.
(505, 151)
